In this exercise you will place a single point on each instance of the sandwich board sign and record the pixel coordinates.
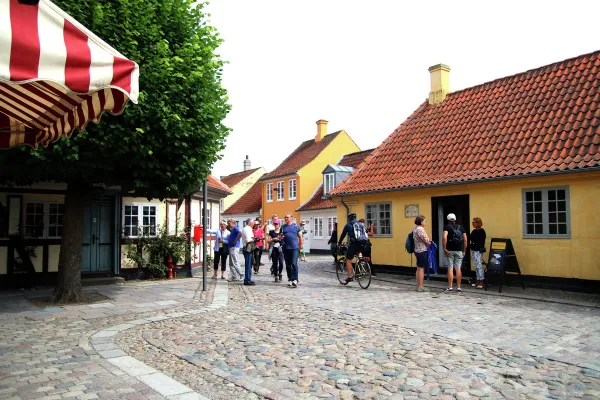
(502, 259)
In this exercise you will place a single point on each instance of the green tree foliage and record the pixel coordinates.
(161, 148)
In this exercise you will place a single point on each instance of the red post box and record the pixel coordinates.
(198, 229)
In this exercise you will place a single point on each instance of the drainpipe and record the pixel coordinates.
(347, 208)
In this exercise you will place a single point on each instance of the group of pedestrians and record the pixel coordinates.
(454, 245)
(284, 243)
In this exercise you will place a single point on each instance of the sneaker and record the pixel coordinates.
(276, 280)
(348, 280)
(280, 278)
(420, 289)
(290, 283)
(294, 283)
(459, 290)
(449, 290)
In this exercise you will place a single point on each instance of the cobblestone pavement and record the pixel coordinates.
(320, 340)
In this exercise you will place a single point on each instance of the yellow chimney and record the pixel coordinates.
(440, 83)
(321, 129)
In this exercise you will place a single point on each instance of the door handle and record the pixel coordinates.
(94, 238)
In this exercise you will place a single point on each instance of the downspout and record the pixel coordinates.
(347, 208)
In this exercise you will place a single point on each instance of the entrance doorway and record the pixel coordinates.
(98, 238)
(441, 207)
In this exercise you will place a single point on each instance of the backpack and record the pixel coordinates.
(457, 237)
(409, 245)
(359, 231)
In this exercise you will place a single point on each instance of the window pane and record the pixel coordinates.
(551, 218)
(530, 230)
(528, 196)
(553, 229)
(134, 230)
(539, 229)
(52, 231)
(551, 194)
(552, 206)
(538, 207)
(561, 194)
(562, 205)
(529, 218)
(537, 196)
(562, 217)
(529, 207)
(562, 229)
(538, 218)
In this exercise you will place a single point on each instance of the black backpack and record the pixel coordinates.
(457, 237)
(409, 245)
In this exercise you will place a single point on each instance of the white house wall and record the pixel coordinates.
(318, 243)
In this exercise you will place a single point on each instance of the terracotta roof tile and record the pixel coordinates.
(250, 202)
(217, 184)
(542, 120)
(354, 159)
(317, 202)
(300, 157)
(234, 179)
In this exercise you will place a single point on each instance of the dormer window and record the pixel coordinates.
(328, 183)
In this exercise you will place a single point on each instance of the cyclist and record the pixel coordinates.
(358, 239)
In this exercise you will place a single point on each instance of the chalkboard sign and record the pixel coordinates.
(502, 259)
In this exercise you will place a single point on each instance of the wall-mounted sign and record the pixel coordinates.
(411, 210)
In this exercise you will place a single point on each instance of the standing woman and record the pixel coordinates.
(477, 245)
(274, 239)
(221, 249)
(258, 233)
(422, 242)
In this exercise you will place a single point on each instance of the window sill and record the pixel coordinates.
(547, 237)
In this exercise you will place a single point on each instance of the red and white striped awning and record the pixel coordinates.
(55, 75)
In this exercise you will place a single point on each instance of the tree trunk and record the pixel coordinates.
(68, 287)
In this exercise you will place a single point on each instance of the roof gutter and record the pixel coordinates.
(503, 178)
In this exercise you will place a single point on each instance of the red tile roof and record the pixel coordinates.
(354, 159)
(300, 157)
(234, 179)
(217, 184)
(250, 202)
(317, 202)
(545, 120)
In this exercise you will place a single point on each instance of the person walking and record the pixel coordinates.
(422, 242)
(274, 240)
(248, 246)
(333, 243)
(221, 249)
(233, 241)
(292, 243)
(259, 235)
(358, 239)
(454, 243)
(477, 246)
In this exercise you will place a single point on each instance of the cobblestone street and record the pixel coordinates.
(156, 340)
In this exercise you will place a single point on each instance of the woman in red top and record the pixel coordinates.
(258, 233)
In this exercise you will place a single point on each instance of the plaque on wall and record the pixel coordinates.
(411, 210)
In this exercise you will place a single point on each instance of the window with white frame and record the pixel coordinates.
(207, 216)
(292, 189)
(328, 183)
(139, 219)
(43, 220)
(221, 206)
(318, 227)
(280, 191)
(330, 224)
(546, 213)
(269, 192)
(380, 215)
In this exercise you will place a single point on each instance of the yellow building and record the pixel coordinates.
(295, 180)
(519, 152)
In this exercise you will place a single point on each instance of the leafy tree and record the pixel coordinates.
(162, 148)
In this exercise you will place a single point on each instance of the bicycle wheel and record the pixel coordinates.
(362, 273)
(340, 270)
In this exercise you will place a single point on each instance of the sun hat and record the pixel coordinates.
(451, 217)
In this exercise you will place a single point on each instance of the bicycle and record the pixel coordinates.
(361, 269)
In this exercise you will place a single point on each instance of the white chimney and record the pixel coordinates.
(440, 83)
(247, 164)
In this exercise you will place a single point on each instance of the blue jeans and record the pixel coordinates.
(291, 263)
(247, 266)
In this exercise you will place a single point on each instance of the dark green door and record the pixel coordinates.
(98, 240)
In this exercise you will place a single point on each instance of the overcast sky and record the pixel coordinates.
(362, 65)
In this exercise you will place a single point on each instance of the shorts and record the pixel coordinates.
(354, 248)
(422, 259)
(454, 260)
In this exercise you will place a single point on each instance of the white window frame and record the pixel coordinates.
(373, 214)
(546, 212)
(328, 182)
(140, 219)
(292, 189)
(208, 208)
(280, 191)
(45, 216)
(330, 222)
(221, 205)
(269, 196)
(318, 228)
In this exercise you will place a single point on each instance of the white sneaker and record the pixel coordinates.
(295, 283)
(290, 283)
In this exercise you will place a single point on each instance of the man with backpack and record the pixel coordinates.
(358, 239)
(454, 243)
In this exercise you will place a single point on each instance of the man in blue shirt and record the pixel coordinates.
(234, 243)
(358, 239)
(292, 243)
